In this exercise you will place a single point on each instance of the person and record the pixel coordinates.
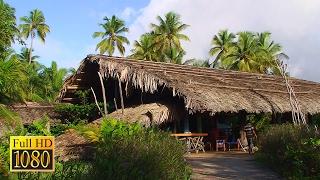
(250, 133)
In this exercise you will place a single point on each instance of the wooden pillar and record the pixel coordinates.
(104, 94)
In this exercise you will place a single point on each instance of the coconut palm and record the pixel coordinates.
(13, 79)
(273, 53)
(244, 55)
(174, 55)
(168, 32)
(53, 80)
(144, 48)
(112, 36)
(198, 62)
(25, 55)
(32, 26)
(221, 44)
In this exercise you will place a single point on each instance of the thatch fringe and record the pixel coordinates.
(204, 89)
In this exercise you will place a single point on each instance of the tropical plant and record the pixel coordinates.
(32, 26)
(272, 52)
(198, 62)
(244, 55)
(222, 43)
(112, 36)
(174, 55)
(144, 48)
(53, 80)
(13, 79)
(25, 55)
(168, 34)
(8, 29)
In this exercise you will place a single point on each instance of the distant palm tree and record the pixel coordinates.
(168, 32)
(244, 57)
(25, 55)
(272, 53)
(112, 36)
(221, 44)
(174, 55)
(144, 48)
(198, 62)
(53, 79)
(34, 25)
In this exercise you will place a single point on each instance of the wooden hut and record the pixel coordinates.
(193, 95)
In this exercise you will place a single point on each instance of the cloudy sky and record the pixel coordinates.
(294, 24)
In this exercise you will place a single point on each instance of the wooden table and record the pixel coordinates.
(194, 141)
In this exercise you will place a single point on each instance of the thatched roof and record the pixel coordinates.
(145, 114)
(204, 89)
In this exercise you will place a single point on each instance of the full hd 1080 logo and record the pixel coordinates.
(31, 153)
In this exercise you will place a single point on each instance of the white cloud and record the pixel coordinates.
(128, 13)
(293, 23)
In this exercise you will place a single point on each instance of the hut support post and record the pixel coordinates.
(121, 96)
(96, 101)
(103, 94)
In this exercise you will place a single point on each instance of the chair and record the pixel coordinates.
(220, 144)
(232, 141)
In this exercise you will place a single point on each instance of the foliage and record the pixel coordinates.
(83, 95)
(34, 25)
(198, 62)
(52, 78)
(8, 29)
(112, 36)
(144, 49)
(40, 127)
(163, 43)
(261, 121)
(131, 152)
(222, 43)
(73, 113)
(13, 79)
(291, 150)
(246, 51)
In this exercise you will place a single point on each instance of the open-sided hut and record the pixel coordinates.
(191, 94)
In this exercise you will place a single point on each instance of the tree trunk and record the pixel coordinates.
(30, 50)
(121, 96)
(103, 94)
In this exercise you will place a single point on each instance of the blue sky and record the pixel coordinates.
(72, 24)
(293, 23)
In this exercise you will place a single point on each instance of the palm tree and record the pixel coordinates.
(53, 80)
(244, 56)
(13, 79)
(198, 62)
(173, 55)
(168, 32)
(112, 36)
(221, 44)
(34, 25)
(25, 55)
(144, 48)
(273, 53)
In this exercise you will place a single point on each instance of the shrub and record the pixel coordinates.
(131, 152)
(291, 150)
(73, 113)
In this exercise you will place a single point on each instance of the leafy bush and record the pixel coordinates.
(291, 150)
(73, 113)
(131, 152)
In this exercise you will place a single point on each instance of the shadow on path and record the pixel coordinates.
(228, 165)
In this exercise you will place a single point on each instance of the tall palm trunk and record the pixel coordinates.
(30, 50)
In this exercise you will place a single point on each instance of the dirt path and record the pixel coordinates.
(228, 165)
